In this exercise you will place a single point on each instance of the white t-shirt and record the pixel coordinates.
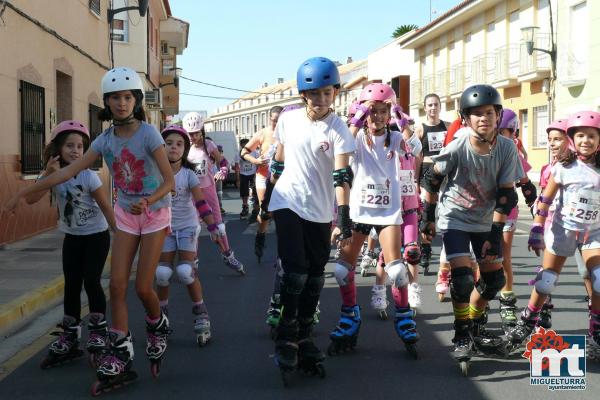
(79, 213)
(204, 164)
(246, 167)
(310, 147)
(183, 211)
(578, 205)
(376, 195)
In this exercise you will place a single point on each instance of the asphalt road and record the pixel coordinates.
(238, 362)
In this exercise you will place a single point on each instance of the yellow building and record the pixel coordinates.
(480, 41)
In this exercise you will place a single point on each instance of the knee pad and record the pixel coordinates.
(595, 278)
(545, 281)
(412, 253)
(342, 270)
(461, 284)
(294, 282)
(186, 273)
(163, 274)
(490, 283)
(314, 284)
(221, 228)
(398, 273)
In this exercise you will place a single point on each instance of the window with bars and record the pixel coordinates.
(33, 127)
(94, 6)
(95, 129)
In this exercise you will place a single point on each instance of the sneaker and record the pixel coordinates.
(414, 295)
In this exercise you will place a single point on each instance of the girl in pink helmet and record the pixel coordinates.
(187, 204)
(575, 183)
(84, 216)
(508, 127)
(376, 202)
(202, 153)
(136, 158)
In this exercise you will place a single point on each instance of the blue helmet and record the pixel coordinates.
(317, 72)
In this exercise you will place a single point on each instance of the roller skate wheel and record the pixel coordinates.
(426, 270)
(464, 367)
(92, 360)
(411, 348)
(155, 369)
(96, 389)
(383, 315)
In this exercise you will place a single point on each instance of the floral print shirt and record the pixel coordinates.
(130, 160)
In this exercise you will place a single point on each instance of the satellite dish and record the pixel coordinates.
(143, 7)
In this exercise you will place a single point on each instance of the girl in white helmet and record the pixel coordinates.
(82, 207)
(202, 153)
(136, 157)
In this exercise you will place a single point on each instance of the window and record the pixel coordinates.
(94, 6)
(33, 127)
(540, 116)
(255, 122)
(95, 129)
(164, 48)
(120, 24)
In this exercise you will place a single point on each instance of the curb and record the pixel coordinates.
(25, 307)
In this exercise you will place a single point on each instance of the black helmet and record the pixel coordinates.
(480, 95)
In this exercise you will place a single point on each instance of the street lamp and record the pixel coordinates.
(175, 78)
(142, 7)
(528, 33)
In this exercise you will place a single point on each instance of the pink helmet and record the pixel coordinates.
(589, 119)
(509, 120)
(377, 92)
(352, 109)
(177, 129)
(558, 125)
(70, 126)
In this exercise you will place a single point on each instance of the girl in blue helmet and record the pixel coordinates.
(315, 146)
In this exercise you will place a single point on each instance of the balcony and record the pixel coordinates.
(460, 77)
(416, 92)
(536, 66)
(441, 83)
(507, 60)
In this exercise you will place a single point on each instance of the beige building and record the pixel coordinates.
(578, 59)
(51, 71)
(480, 41)
(248, 114)
(150, 45)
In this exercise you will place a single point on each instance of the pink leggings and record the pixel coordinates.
(210, 195)
(409, 228)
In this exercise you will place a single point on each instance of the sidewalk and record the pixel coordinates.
(31, 279)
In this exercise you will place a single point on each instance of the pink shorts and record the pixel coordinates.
(147, 222)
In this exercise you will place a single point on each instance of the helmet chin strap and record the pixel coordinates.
(125, 121)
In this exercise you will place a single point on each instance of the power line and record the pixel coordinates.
(221, 87)
(210, 97)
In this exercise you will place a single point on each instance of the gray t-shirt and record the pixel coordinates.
(183, 211)
(468, 200)
(78, 212)
(133, 167)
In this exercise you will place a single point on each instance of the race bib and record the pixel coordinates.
(436, 140)
(408, 186)
(246, 168)
(201, 169)
(376, 195)
(583, 207)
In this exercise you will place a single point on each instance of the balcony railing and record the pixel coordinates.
(538, 61)
(460, 77)
(442, 82)
(428, 84)
(416, 92)
(507, 61)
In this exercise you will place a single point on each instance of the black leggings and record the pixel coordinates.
(83, 261)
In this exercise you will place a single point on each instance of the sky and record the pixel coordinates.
(244, 43)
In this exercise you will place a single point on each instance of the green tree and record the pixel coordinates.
(402, 29)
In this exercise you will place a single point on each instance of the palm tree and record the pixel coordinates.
(402, 29)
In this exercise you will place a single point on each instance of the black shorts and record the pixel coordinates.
(365, 229)
(246, 182)
(456, 244)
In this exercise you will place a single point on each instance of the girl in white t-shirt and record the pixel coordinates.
(82, 208)
(575, 225)
(376, 202)
(187, 203)
(315, 146)
(202, 154)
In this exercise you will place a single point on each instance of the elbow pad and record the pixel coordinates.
(506, 200)
(432, 181)
(223, 162)
(203, 208)
(343, 175)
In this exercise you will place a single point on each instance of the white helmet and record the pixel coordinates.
(192, 122)
(121, 78)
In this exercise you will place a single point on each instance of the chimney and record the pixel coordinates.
(348, 60)
(265, 84)
(279, 80)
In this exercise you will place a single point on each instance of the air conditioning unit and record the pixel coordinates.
(153, 98)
